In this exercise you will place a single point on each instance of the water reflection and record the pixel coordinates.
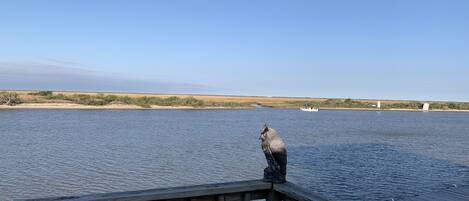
(345, 155)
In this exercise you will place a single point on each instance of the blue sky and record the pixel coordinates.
(358, 49)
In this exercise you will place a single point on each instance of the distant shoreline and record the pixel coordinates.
(71, 106)
(138, 101)
(393, 109)
(68, 106)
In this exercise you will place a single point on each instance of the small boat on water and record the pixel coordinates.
(310, 109)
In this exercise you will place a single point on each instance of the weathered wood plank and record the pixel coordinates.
(247, 196)
(202, 198)
(273, 196)
(231, 191)
(295, 192)
(256, 195)
(234, 197)
(170, 193)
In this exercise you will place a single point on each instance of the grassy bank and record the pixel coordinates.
(367, 104)
(139, 100)
(103, 99)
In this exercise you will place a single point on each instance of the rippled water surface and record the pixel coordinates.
(345, 155)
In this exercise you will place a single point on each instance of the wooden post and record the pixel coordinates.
(273, 195)
(247, 196)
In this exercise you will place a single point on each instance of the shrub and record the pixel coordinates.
(110, 98)
(405, 105)
(45, 93)
(124, 99)
(10, 99)
(90, 100)
(42, 93)
(145, 101)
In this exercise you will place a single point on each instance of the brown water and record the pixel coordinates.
(345, 155)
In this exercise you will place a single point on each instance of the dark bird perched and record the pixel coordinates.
(276, 155)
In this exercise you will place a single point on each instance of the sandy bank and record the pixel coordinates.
(111, 106)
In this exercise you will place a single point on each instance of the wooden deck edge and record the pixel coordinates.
(296, 192)
(169, 193)
(251, 189)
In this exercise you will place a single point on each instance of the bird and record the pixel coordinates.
(276, 155)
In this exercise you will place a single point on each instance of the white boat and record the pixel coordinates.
(310, 109)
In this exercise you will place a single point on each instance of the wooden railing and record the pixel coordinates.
(232, 191)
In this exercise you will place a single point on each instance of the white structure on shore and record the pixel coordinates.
(378, 104)
(426, 106)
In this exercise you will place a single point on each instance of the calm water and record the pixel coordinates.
(345, 155)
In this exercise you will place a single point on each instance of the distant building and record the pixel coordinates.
(378, 105)
(426, 106)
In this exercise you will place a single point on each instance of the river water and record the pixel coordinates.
(344, 155)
